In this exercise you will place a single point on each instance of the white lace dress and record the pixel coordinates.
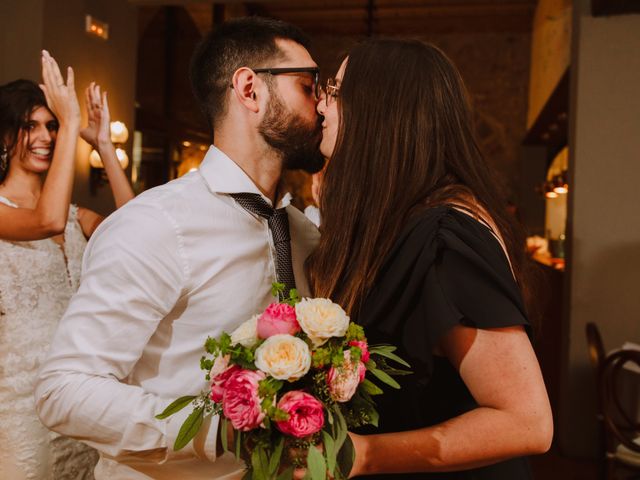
(37, 280)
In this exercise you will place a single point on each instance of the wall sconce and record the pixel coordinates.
(560, 184)
(549, 192)
(119, 135)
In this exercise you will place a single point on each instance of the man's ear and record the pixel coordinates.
(244, 86)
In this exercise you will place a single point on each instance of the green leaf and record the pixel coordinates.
(371, 388)
(374, 416)
(346, 456)
(316, 464)
(396, 372)
(223, 434)
(286, 474)
(259, 464)
(391, 356)
(329, 450)
(341, 428)
(238, 443)
(189, 428)
(384, 377)
(248, 475)
(382, 348)
(175, 406)
(274, 461)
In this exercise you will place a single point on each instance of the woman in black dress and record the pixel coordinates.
(418, 248)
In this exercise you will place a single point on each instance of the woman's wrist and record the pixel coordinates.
(103, 145)
(72, 126)
(361, 446)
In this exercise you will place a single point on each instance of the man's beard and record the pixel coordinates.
(297, 141)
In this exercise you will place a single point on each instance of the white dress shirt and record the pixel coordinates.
(181, 262)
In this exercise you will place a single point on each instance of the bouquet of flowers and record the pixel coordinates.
(291, 382)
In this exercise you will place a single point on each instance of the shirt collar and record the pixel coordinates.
(225, 176)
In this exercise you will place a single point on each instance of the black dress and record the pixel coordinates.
(445, 269)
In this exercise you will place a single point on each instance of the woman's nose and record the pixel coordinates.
(44, 134)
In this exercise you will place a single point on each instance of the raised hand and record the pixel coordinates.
(97, 132)
(61, 96)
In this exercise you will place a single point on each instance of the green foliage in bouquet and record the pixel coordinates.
(342, 374)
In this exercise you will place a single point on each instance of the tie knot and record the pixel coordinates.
(254, 203)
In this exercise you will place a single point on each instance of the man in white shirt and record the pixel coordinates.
(184, 261)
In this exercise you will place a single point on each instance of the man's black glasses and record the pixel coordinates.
(279, 71)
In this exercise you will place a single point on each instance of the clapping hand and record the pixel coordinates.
(97, 132)
(61, 97)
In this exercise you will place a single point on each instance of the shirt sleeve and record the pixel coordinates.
(133, 274)
(470, 283)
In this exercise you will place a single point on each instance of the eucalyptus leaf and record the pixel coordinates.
(397, 372)
(175, 406)
(274, 461)
(394, 357)
(371, 388)
(189, 428)
(259, 464)
(346, 456)
(381, 348)
(316, 464)
(341, 428)
(384, 377)
(329, 450)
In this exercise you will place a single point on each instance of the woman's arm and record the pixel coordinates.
(97, 133)
(49, 217)
(513, 418)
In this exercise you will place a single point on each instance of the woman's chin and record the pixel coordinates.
(326, 151)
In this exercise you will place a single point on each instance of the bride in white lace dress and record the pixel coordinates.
(42, 239)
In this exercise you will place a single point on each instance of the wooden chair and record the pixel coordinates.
(622, 426)
(597, 356)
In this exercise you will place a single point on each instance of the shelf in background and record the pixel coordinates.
(550, 127)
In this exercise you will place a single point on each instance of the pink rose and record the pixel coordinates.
(218, 382)
(306, 414)
(278, 318)
(344, 380)
(364, 357)
(241, 403)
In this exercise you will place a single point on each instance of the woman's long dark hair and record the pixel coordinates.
(18, 99)
(405, 143)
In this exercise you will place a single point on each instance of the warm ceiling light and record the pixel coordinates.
(96, 162)
(560, 184)
(186, 144)
(119, 132)
(123, 158)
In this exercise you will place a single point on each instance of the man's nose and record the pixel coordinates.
(321, 103)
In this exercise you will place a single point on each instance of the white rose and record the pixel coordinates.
(321, 319)
(284, 357)
(247, 333)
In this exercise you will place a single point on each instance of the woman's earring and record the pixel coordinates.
(4, 163)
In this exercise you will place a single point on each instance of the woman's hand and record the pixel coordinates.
(97, 133)
(61, 97)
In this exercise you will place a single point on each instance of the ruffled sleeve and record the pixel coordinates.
(470, 281)
(446, 269)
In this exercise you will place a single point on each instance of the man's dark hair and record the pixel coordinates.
(244, 42)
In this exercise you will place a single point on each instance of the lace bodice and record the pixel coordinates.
(37, 279)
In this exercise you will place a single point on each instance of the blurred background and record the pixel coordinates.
(555, 90)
